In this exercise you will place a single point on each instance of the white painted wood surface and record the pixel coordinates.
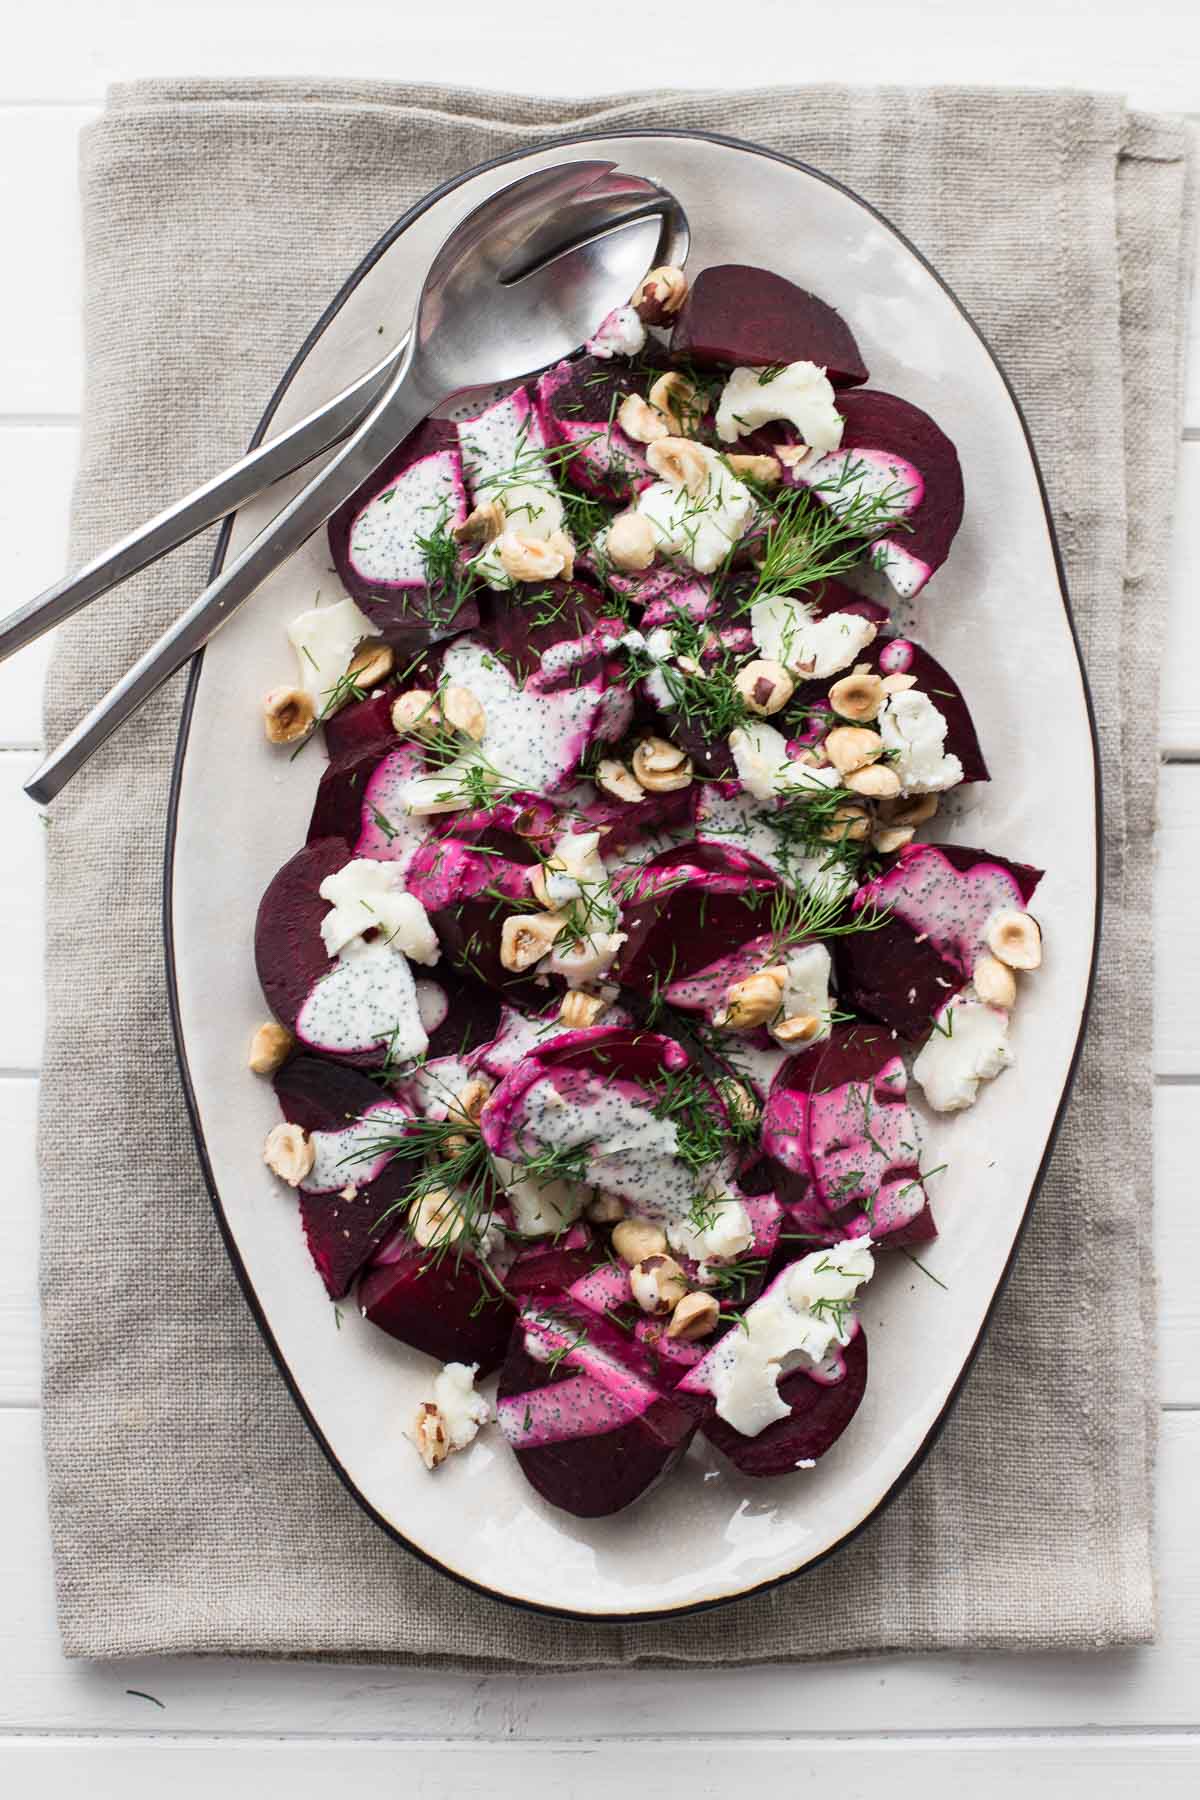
(1045, 1726)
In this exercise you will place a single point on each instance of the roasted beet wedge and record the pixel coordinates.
(361, 798)
(445, 1306)
(687, 911)
(823, 1401)
(380, 539)
(739, 316)
(288, 947)
(890, 447)
(576, 404)
(939, 899)
(358, 1175)
(468, 885)
(590, 1427)
(843, 1142)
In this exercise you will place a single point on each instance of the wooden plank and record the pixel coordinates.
(1179, 733)
(1147, 53)
(37, 466)
(1177, 882)
(41, 364)
(22, 834)
(20, 1361)
(938, 1768)
(1154, 1687)
(1177, 1243)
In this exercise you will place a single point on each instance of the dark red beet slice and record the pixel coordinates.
(739, 316)
(288, 948)
(445, 1306)
(940, 898)
(595, 1458)
(626, 822)
(576, 404)
(554, 613)
(461, 882)
(416, 491)
(553, 1267)
(820, 1413)
(689, 908)
(472, 1016)
(342, 1228)
(897, 435)
(843, 1142)
(358, 799)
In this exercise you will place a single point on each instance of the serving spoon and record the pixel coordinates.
(521, 282)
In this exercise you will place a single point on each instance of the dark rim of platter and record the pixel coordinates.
(330, 313)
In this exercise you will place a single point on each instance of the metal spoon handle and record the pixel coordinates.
(404, 404)
(269, 463)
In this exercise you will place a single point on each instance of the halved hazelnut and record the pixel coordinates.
(858, 695)
(526, 937)
(417, 711)
(288, 1153)
(635, 1239)
(657, 1283)
(580, 1010)
(470, 1101)
(850, 747)
(693, 1317)
(559, 541)
(463, 712)
(877, 781)
(370, 665)
(887, 839)
(1016, 939)
(526, 558)
(898, 683)
(848, 824)
(800, 1029)
(641, 421)
(604, 1209)
(437, 1218)
(792, 455)
(482, 525)
(629, 542)
(681, 463)
(619, 781)
(766, 470)
(288, 713)
(659, 297)
(749, 1003)
(678, 399)
(913, 809)
(765, 686)
(430, 1435)
(270, 1048)
(994, 982)
(739, 1101)
(661, 767)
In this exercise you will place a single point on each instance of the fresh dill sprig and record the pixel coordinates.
(817, 534)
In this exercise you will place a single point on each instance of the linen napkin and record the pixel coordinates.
(190, 1509)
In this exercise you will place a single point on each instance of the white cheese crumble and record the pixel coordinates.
(460, 1410)
(701, 528)
(803, 1313)
(718, 1230)
(789, 632)
(914, 730)
(806, 991)
(801, 393)
(620, 333)
(368, 896)
(765, 769)
(968, 1045)
(325, 639)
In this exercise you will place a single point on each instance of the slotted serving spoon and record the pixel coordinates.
(522, 281)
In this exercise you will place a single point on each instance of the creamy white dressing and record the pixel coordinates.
(789, 632)
(739, 819)
(504, 456)
(354, 1155)
(325, 639)
(801, 393)
(369, 998)
(636, 1156)
(385, 538)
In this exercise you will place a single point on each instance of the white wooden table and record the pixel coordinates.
(983, 1725)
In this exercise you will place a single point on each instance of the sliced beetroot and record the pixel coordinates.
(521, 631)
(589, 1425)
(460, 1014)
(577, 403)
(686, 911)
(842, 1139)
(288, 948)
(348, 1201)
(739, 316)
(361, 798)
(821, 1409)
(939, 899)
(444, 1305)
(552, 1267)
(362, 726)
(379, 539)
(626, 822)
(890, 445)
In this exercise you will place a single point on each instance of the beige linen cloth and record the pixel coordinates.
(191, 1511)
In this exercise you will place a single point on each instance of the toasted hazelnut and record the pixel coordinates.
(580, 1010)
(629, 542)
(994, 982)
(766, 470)
(1016, 938)
(288, 1153)
(470, 1101)
(641, 421)
(270, 1048)
(849, 824)
(525, 558)
(798, 1030)
(792, 455)
(877, 781)
(749, 1003)
(911, 809)
(559, 541)
(657, 1283)
(660, 295)
(660, 767)
(887, 839)
(416, 711)
(604, 1209)
(619, 780)
(680, 462)
(481, 525)
(437, 1218)
(463, 712)
(695, 1316)
(678, 399)
(858, 695)
(739, 1101)
(526, 937)
(897, 683)
(850, 747)
(287, 714)
(430, 1435)
(765, 686)
(635, 1239)
(370, 665)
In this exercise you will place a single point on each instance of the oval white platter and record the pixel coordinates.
(995, 614)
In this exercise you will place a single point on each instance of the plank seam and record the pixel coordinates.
(999, 1737)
